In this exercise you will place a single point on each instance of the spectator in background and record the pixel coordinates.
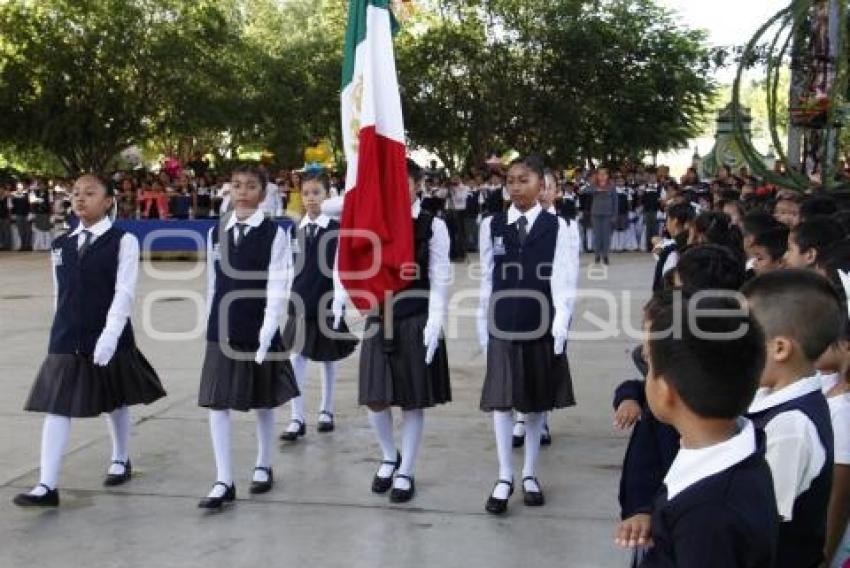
(602, 211)
(127, 199)
(153, 202)
(202, 197)
(5, 218)
(41, 202)
(787, 209)
(22, 213)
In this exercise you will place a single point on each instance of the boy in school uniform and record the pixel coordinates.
(801, 316)
(717, 506)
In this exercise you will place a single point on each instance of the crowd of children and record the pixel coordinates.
(738, 455)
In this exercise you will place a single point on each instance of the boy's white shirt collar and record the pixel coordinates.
(253, 221)
(551, 209)
(416, 208)
(766, 398)
(97, 229)
(692, 466)
(322, 220)
(531, 214)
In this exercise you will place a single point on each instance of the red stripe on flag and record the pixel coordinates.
(380, 204)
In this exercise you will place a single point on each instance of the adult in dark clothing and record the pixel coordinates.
(602, 211)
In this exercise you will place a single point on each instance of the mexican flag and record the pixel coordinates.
(377, 199)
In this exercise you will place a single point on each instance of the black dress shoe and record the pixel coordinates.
(113, 479)
(533, 498)
(519, 441)
(293, 436)
(380, 484)
(403, 495)
(605, 260)
(218, 502)
(258, 487)
(546, 437)
(49, 499)
(326, 425)
(499, 506)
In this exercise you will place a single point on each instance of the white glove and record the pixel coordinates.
(560, 330)
(338, 310)
(431, 338)
(266, 335)
(483, 331)
(105, 348)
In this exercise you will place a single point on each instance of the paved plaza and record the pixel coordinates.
(321, 513)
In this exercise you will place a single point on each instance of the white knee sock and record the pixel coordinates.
(519, 426)
(299, 366)
(328, 384)
(382, 424)
(265, 434)
(503, 424)
(119, 430)
(533, 431)
(220, 433)
(413, 422)
(54, 439)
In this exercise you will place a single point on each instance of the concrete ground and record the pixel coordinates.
(321, 513)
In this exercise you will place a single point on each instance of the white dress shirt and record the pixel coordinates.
(794, 450)
(574, 255)
(565, 266)
(839, 411)
(439, 267)
(121, 307)
(279, 270)
(692, 466)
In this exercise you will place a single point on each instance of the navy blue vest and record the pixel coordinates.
(526, 272)
(801, 540)
(313, 285)
(413, 300)
(244, 315)
(86, 287)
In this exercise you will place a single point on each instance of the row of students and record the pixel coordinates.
(801, 316)
(93, 366)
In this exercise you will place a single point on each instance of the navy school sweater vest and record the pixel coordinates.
(522, 275)
(242, 287)
(413, 300)
(312, 289)
(801, 540)
(86, 288)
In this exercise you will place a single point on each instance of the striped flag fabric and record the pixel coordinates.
(377, 199)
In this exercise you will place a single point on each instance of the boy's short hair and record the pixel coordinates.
(817, 206)
(681, 212)
(774, 241)
(799, 304)
(315, 174)
(710, 267)
(843, 218)
(715, 361)
(255, 170)
(817, 233)
(414, 171)
(757, 222)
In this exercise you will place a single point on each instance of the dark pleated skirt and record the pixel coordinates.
(72, 385)
(395, 373)
(526, 376)
(304, 336)
(235, 384)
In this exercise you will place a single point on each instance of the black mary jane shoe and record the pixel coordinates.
(533, 498)
(519, 441)
(293, 436)
(49, 499)
(113, 479)
(258, 487)
(403, 495)
(380, 484)
(546, 436)
(499, 506)
(218, 502)
(325, 426)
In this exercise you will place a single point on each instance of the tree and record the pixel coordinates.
(84, 79)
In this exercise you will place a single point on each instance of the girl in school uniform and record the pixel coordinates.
(548, 203)
(529, 275)
(406, 365)
(316, 307)
(93, 366)
(249, 261)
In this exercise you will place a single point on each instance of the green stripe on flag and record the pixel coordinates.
(356, 32)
